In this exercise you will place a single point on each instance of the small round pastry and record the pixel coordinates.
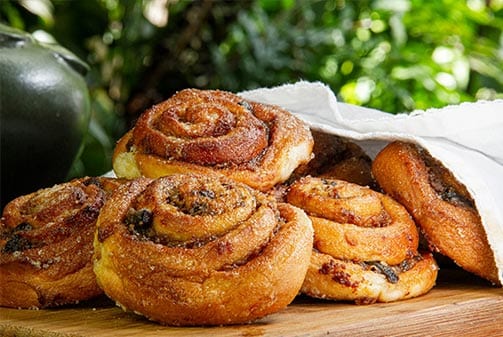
(335, 157)
(189, 249)
(365, 244)
(46, 244)
(208, 131)
(441, 206)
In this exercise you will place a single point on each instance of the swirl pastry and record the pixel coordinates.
(441, 206)
(188, 249)
(206, 131)
(337, 158)
(365, 244)
(46, 244)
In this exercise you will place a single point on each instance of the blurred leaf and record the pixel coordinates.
(41, 8)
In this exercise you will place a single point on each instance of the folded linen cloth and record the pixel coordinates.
(467, 138)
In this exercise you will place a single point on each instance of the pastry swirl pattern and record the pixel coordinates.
(365, 244)
(211, 131)
(203, 128)
(196, 250)
(46, 244)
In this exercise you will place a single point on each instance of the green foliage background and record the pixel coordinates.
(393, 55)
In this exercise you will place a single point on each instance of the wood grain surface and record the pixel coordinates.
(459, 305)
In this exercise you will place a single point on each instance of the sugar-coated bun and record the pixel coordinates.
(189, 249)
(365, 244)
(212, 131)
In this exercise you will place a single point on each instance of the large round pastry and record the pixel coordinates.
(208, 131)
(189, 249)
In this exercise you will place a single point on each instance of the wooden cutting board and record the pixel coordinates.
(460, 305)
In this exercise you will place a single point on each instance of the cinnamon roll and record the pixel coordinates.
(440, 204)
(365, 244)
(189, 249)
(208, 131)
(46, 244)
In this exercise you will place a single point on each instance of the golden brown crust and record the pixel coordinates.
(208, 131)
(203, 128)
(353, 222)
(335, 157)
(356, 228)
(46, 244)
(441, 206)
(367, 283)
(249, 261)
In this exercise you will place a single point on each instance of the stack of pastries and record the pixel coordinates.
(224, 210)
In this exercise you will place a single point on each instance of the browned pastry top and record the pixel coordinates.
(189, 249)
(46, 244)
(212, 131)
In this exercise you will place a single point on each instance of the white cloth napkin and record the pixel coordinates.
(466, 138)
